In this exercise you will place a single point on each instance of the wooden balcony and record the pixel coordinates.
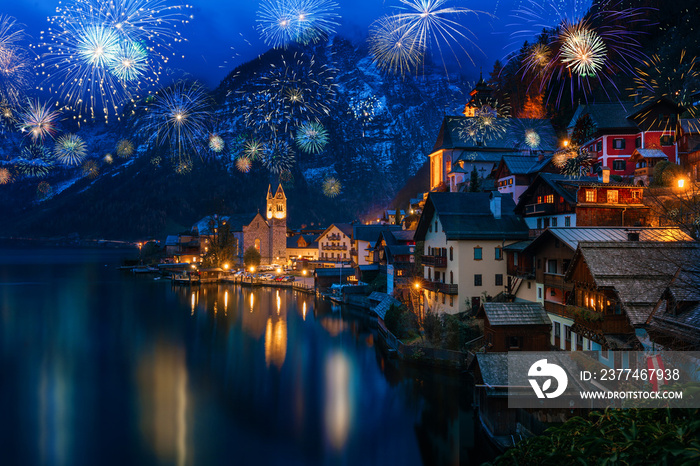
(598, 322)
(559, 309)
(646, 171)
(331, 247)
(554, 280)
(537, 209)
(521, 271)
(440, 287)
(435, 261)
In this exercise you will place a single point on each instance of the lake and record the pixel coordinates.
(98, 366)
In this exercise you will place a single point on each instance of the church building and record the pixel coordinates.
(269, 233)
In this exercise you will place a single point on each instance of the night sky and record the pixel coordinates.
(222, 34)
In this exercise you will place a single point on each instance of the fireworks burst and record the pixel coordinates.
(216, 143)
(43, 190)
(293, 90)
(532, 139)
(673, 78)
(393, 46)
(578, 48)
(178, 117)
(254, 150)
(312, 137)
(100, 53)
(282, 22)
(573, 162)
(90, 169)
(183, 167)
(278, 157)
(35, 161)
(5, 176)
(243, 164)
(38, 121)
(108, 159)
(433, 22)
(489, 122)
(125, 148)
(331, 187)
(156, 160)
(15, 67)
(582, 50)
(70, 149)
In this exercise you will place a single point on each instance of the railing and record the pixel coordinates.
(643, 171)
(434, 261)
(446, 288)
(556, 281)
(560, 309)
(332, 247)
(333, 237)
(532, 209)
(611, 324)
(521, 271)
(353, 252)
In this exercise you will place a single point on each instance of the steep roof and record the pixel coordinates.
(346, 228)
(238, 221)
(371, 232)
(292, 241)
(606, 115)
(637, 271)
(517, 313)
(513, 138)
(571, 236)
(469, 216)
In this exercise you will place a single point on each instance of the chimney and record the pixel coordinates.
(604, 175)
(495, 204)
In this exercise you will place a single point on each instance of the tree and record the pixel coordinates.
(223, 248)
(251, 257)
(583, 131)
(474, 182)
(533, 108)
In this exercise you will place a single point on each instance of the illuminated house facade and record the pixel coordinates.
(464, 235)
(618, 128)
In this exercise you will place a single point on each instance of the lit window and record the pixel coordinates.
(539, 199)
(590, 195)
(549, 199)
(637, 194)
(612, 196)
(667, 140)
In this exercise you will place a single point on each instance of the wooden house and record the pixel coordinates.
(518, 326)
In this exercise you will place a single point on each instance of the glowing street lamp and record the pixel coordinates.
(565, 142)
(681, 183)
(416, 285)
(303, 272)
(252, 269)
(226, 266)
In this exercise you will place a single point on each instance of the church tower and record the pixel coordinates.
(277, 219)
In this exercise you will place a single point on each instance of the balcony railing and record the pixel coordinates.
(447, 288)
(521, 271)
(533, 209)
(646, 171)
(435, 261)
(555, 280)
(557, 308)
(332, 247)
(599, 322)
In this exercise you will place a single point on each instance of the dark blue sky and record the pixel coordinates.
(223, 35)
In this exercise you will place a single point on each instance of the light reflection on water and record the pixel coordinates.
(98, 367)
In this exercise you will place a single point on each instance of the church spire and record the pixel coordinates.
(269, 191)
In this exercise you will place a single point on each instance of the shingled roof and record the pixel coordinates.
(517, 313)
(469, 216)
(571, 236)
(606, 115)
(638, 272)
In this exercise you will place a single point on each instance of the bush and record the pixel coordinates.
(251, 257)
(401, 322)
(432, 326)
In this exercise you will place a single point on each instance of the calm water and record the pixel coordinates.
(101, 367)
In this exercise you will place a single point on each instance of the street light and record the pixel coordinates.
(226, 266)
(565, 142)
(252, 269)
(681, 183)
(416, 285)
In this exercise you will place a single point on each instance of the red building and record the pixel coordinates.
(617, 129)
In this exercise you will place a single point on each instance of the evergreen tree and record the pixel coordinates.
(474, 181)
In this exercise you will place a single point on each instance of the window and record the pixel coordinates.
(618, 144)
(552, 266)
(549, 199)
(499, 279)
(513, 342)
(451, 253)
(638, 142)
(429, 270)
(443, 298)
(579, 340)
(515, 259)
(539, 199)
(554, 221)
(436, 230)
(637, 194)
(452, 281)
(452, 300)
(599, 146)
(667, 140)
(590, 195)
(498, 253)
(539, 292)
(567, 333)
(529, 285)
(619, 165)
(612, 196)
(539, 223)
(257, 244)
(477, 279)
(567, 221)
(477, 253)
(557, 330)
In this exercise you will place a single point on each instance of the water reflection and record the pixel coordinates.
(161, 376)
(339, 399)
